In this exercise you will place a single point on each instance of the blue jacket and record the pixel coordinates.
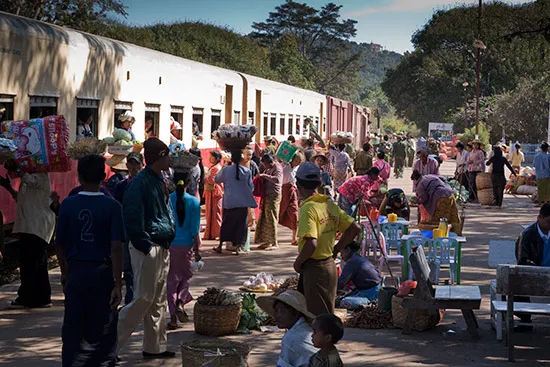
(147, 215)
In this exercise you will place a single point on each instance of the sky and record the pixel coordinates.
(390, 23)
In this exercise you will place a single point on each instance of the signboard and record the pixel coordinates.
(434, 126)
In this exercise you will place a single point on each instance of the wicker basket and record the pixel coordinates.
(485, 196)
(233, 143)
(119, 149)
(483, 181)
(422, 320)
(339, 140)
(216, 320)
(199, 353)
(183, 160)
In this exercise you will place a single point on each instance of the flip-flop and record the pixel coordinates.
(263, 246)
(217, 249)
(294, 243)
(182, 315)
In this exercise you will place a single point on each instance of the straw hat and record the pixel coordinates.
(268, 138)
(117, 162)
(292, 298)
(320, 154)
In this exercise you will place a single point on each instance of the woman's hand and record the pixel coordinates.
(198, 256)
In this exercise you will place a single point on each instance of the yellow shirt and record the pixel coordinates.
(321, 218)
(517, 158)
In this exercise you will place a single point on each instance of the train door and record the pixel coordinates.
(121, 108)
(87, 118)
(6, 107)
(42, 106)
(177, 114)
(152, 120)
(198, 116)
(228, 104)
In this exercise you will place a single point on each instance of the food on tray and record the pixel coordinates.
(86, 146)
(262, 282)
(219, 297)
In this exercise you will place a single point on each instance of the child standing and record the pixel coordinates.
(90, 234)
(327, 331)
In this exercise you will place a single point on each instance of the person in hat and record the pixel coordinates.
(476, 165)
(270, 145)
(395, 202)
(321, 160)
(288, 213)
(150, 228)
(126, 121)
(359, 187)
(289, 309)
(341, 165)
(425, 165)
(90, 235)
(134, 165)
(175, 131)
(363, 160)
(320, 219)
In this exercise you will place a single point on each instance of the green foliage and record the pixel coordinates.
(427, 84)
(251, 315)
(470, 135)
(523, 113)
(83, 15)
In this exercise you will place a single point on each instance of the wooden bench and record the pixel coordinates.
(518, 280)
(464, 298)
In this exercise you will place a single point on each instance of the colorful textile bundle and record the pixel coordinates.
(41, 143)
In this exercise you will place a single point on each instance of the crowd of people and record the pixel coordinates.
(145, 231)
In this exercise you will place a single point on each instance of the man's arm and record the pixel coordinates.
(347, 237)
(526, 256)
(116, 259)
(306, 253)
(134, 218)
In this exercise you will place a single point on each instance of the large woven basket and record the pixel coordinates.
(119, 149)
(216, 320)
(483, 181)
(340, 140)
(422, 320)
(233, 143)
(183, 160)
(485, 196)
(199, 353)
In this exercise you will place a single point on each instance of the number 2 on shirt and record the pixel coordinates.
(85, 216)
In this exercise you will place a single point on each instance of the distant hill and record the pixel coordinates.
(376, 61)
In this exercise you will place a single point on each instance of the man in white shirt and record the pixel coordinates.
(290, 312)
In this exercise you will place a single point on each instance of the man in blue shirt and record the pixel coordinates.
(541, 162)
(90, 234)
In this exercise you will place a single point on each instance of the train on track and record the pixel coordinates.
(48, 69)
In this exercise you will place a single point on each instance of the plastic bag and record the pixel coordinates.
(41, 143)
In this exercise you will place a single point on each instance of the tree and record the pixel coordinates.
(291, 66)
(85, 15)
(321, 40)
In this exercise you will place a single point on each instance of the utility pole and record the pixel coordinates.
(478, 44)
(377, 115)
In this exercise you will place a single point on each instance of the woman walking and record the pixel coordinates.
(237, 198)
(288, 214)
(497, 176)
(183, 249)
(266, 229)
(213, 194)
(342, 165)
(476, 158)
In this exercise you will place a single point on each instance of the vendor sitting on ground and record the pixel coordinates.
(436, 201)
(396, 202)
(290, 312)
(363, 275)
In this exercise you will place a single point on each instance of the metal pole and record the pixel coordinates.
(378, 121)
(548, 137)
(478, 68)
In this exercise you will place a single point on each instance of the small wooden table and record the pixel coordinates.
(404, 252)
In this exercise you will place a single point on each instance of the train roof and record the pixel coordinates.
(21, 26)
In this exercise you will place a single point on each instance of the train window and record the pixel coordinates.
(6, 107)
(298, 127)
(42, 106)
(198, 118)
(273, 124)
(177, 114)
(265, 130)
(237, 117)
(121, 108)
(290, 122)
(282, 125)
(152, 120)
(215, 120)
(86, 118)
(251, 118)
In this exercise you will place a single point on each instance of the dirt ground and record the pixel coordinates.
(32, 338)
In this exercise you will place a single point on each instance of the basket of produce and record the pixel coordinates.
(341, 137)
(261, 283)
(7, 148)
(86, 146)
(483, 181)
(217, 312)
(183, 160)
(371, 316)
(234, 137)
(121, 142)
(217, 352)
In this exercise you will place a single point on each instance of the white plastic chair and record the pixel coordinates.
(414, 242)
(443, 251)
(393, 233)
